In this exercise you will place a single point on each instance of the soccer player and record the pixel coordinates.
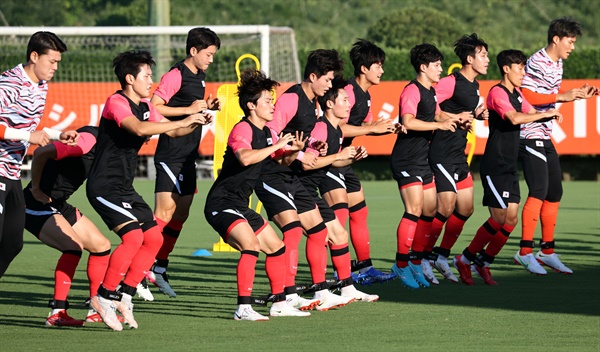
(180, 94)
(456, 94)
(421, 116)
(57, 171)
(341, 188)
(507, 110)
(23, 92)
(541, 167)
(285, 199)
(250, 144)
(128, 120)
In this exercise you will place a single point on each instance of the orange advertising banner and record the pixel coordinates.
(72, 105)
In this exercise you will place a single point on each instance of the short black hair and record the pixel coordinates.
(564, 27)
(510, 57)
(365, 53)
(338, 83)
(130, 63)
(321, 61)
(252, 83)
(201, 38)
(424, 54)
(41, 42)
(467, 45)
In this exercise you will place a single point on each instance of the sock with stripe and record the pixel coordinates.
(341, 212)
(529, 220)
(340, 257)
(549, 214)
(64, 273)
(499, 240)
(454, 227)
(404, 237)
(144, 258)
(96, 268)
(170, 234)
(484, 235)
(316, 252)
(421, 237)
(436, 229)
(359, 231)
(292, 234)
(120, 260)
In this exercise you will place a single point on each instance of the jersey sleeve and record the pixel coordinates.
(117, 109)
(409, 100)
(240, 137)
(319, 132)
(170, 83)
(155, 116)
(85, 143)
(445, 88)
(285, 109)
(498, 101)
(526, 107)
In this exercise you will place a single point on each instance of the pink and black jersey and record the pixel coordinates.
(22, 105)
(235, 183)
(411, 149)
(323, 131)
(455, 94)
(62, 176)
(542, 75)
(502, 147)
(117, 149)
(360, 107)
(180, 87)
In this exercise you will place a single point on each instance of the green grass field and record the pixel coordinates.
(525, 312)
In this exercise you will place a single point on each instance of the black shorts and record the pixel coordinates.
(278, 196)
(541, 168)
(177, 178)
(37, 213)
(451, 177)
(412, 177)
(118, 209)
(499, 190)
(340, 177)
(224, 220)
(324, 209)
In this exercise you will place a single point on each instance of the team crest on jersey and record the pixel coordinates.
(341, 140)
(180, 177)
(519, 98)
(435, 98)
(269, 141)
(456, 177)
(342, 177)
(505, 194)
(146, 115)
(290, 195)
(369, 102)
(2, 186)
(478, 93)
(203, 84)
(126, 205)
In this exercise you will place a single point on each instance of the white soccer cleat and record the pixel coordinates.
(283, 309)
(126, 310)
(162, 282)
(441, 265)
(300, 303)
(328, 300)
(245, 312)
(529, 262)
(106, 309)
(352, 292)
(144, 292)
(428, 272)
(553, 262)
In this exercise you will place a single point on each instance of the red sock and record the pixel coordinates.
(499, 240)
(96, 269)
(484, 235)
(121, 258)
(359, 231)
(170, 234)
(341, 212)
(421, 236)
(436, 229)
(549, 214)
(64, 272)
(292, 234)
(316, 252)
(245, 272)
(276, 268)
(454, 227)
(404, 236)
(529, 221)
(340, 257)
(144, 258)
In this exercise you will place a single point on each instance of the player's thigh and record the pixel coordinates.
(58, 233)
(464, 201)
(92, 239)
(446, 202)
(336, 196)
(355, 198)
(268, 240)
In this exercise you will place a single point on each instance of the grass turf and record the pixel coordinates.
(551, 313)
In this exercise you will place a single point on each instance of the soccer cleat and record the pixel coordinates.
(106, 309)
(352, 292)
(372, 275)
(406, 276)
(300, 303)
(94, 317)
(428, 272)
(126, 309)
(552, 261)
(328, 300)
(485, 274)
(464, 271)
(529, 262)
(418, 274)
(63, 319)
(245, 312)
(144, 292)
(162, 282)
(441, 265)
(286, 310)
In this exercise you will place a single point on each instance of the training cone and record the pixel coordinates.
(201, 253)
